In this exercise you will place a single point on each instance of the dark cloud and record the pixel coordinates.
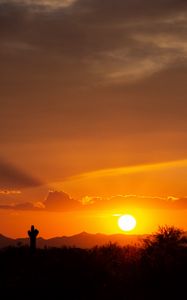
(90, 41)
(60, 201)
(12, 177)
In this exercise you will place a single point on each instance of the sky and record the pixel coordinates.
(92, 115)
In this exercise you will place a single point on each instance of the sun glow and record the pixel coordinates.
(127, 222)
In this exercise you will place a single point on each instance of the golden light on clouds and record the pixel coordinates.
(131, 169)
(155, 180)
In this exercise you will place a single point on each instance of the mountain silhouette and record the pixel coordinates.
(82, 240)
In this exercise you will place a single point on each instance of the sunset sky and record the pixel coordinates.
(93, 115)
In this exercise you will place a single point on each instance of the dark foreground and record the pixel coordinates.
(155, 271)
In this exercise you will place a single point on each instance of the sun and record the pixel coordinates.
(127, 222)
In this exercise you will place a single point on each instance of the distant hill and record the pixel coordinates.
(82, 240)
(5, 241)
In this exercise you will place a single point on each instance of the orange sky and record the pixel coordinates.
(92, 115)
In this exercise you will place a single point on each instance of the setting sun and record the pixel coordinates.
(127, 222)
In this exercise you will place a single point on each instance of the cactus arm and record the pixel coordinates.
(36, 232)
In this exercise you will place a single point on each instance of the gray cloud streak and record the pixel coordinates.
(12, 177)
(107, 39)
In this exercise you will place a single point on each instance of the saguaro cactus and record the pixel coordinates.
(32, 235)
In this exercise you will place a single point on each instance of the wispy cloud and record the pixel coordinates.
(130, 170)
(10, 192)
(53, 4)
(148, 42)
(27, 206)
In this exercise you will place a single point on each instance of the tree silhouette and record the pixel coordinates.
(32, 235)
(163, 249)
(166, 237)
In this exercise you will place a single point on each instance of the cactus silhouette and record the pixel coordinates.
(32, 235)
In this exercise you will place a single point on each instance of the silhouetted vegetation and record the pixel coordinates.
(156, 270)
(32, 235)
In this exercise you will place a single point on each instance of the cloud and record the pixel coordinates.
(87, 200)
(43, 3)
(13, 178)
(130, 170)
(55, 201)
(112, 40)
(9, 192)
(60, 201)
(121, 202)
(27, 206)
